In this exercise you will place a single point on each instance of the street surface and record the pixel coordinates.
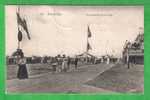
(64, 82)
(98, 78)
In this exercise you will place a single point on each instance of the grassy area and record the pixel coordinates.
(121, 79)
(33, 69)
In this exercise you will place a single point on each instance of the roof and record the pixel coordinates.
(86, 54)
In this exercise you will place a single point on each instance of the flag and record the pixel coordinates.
(88, 46)
(26, 28)
(89, 32)
(19, 19)
(23, 24)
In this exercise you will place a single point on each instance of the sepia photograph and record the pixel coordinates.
(74, 49)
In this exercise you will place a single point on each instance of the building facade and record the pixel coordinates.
(134, 52)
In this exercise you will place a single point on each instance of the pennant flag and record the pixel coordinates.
(89, 32)
(26, 28)
(88, 46)
(23, 24)
(19, 20)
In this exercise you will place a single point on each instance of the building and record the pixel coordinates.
(134, 51)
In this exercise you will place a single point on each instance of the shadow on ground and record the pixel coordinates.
(121, 79)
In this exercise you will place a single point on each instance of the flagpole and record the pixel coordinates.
(18, 10)
(18, 45)
(86, 46)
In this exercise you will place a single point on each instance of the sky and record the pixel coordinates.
(63, 29)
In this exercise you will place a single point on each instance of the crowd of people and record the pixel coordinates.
(59, 63)
(63, 64)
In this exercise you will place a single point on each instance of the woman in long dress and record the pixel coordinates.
(22, 70)
(64, 65)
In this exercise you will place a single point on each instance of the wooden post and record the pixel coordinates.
(128, 58)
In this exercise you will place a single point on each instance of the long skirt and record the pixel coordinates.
(22, 72)
(64, 66)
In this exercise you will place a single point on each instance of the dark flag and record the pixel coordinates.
(19, 19)
(23, 24)
(26, 28)
(89, 32)
(88, 46)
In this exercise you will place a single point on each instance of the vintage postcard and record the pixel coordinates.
(74, 49)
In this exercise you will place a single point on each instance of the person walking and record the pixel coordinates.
(76, 62)
(54, 65)
(68, 63)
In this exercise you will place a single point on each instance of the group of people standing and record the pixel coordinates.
(58, 64)
(63, 64)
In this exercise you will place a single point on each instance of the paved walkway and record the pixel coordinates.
(68, 82)
(121, 79)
